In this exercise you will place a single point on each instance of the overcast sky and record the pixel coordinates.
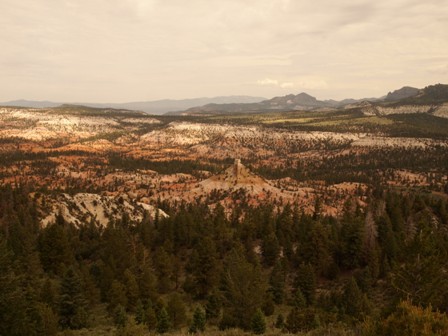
(134, 50)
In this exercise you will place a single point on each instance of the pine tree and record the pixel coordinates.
(117, 295)
(72, 304)
(258, 324)
(413, 320)
(12, 300)
(176, 310)
(140, 316)
(268, 304)
(119, 316)
(352, 242)
(314, 250)
(293, 322)
(204, 267)
(49, 294)
(199, 320)
(299, 300)
(132, 291)
(213, 307)
(162, 263)
(151, 317)
(243, 290)
(163, 322)
(280, 322)
(147, 282)
(306, 282)
(302, 320)
(354, 302)
(47, 323)
(277, 282)
(270, 249)
(387, 239)
(55, 251)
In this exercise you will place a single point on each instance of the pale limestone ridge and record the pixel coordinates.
(84, 207)
(439, 110)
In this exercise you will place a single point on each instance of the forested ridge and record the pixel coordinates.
(379, 270)
(376, 271)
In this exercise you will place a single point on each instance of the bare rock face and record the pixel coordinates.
(47, 124)
(85, 207)
(437, 110)
(442, 111)
(236, 177)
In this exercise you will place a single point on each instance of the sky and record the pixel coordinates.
(138, 50)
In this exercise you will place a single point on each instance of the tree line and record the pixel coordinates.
(380, 269)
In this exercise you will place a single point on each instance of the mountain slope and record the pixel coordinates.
(301, 101)
(404, 92)
(235, 177)
(154, 107)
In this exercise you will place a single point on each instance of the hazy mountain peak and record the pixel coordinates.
(404, 92)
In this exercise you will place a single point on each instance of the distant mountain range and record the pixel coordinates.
(152, 107)
(301, 101)
(407, 95)
(404, 92)
(434, 94)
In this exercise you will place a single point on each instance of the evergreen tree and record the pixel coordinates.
(47, 320)
(354, 302)
(280, 322)
(140, 316)
(270, 249)
(12, 300)
(213, 307)
(151, 318)
(72, 304)
(55, 251)
(49, 293)
(268, 304)
(176, 310)
(258, 324)
(132, 291)
(117, 295)
(293, 321)
(163, 322)
(204, 267)
(370, 245)
(306, 282)
(162, 263)
(299, 300)
(352, 242)
(408, 319)
(243, 290)
(302, 320)
(387, 240)
(199, 320)
(315, 249)
(119, 316)
(277, 282)
(147, 283)
(422, 281)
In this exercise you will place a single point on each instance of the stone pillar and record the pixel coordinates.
(237, 168)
